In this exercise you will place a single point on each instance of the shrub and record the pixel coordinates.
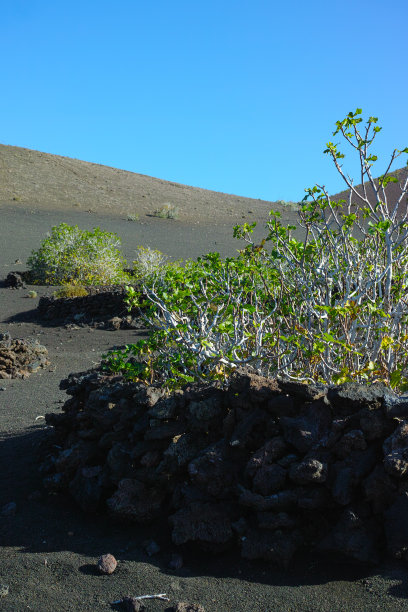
(167, 211)
(71, 291)
(289, 204)
(149, 262)
(70, 254)
(194, 311)
(330, 307)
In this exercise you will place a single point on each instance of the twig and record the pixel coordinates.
(161, 596)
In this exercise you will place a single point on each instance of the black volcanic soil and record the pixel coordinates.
(49, 548)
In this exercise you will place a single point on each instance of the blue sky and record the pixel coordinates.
(235, 96)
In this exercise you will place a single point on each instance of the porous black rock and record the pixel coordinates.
(262, 465)
(14, 280)
(351, 397)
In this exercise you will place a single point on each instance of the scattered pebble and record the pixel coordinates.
(107, 564)
(9, 509)
(4, 590)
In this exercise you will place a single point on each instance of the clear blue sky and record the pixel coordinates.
(235, 96)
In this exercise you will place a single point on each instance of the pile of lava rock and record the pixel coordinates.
(266, 465)
(15, 280)
(19, 358)
(104, 307)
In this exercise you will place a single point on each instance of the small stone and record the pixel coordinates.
(4, 590)
(14, 280)
(115, 322)
(176, 562)
(308, 471)
(131, 604)
(107, 564)
(9, 509)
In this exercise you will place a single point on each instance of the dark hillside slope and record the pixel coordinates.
(41, 180)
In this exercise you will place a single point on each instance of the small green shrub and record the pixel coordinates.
(167, 211)
(32, 294)
(133, 218)
(71, 291)
(148, 262)
(70, 254)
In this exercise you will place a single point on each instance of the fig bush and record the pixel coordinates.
(329, 307)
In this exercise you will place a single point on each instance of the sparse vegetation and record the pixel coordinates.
(71, 255)
(134, 217)
(71, 291)
(148, 263)
(330, 308)
(289, 204)
(32, 294)
(167, 211)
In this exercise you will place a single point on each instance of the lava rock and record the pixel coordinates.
(269, 479)
(351, 397)
(273, 521)
(352, 440)
(395, 406)
(396, 527)
(14, 280)
(353, 537)
(131, 604)
(176, 562)
(215, 471)
(19, 358)
(305, 430)
(395, 449)
(86, 488)
(308, 471)
(107, 564)
(206, 523)
(270, 452)
(9, 509)
(379, 489)
(134, 501)
(277, 547)
(152, 548)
